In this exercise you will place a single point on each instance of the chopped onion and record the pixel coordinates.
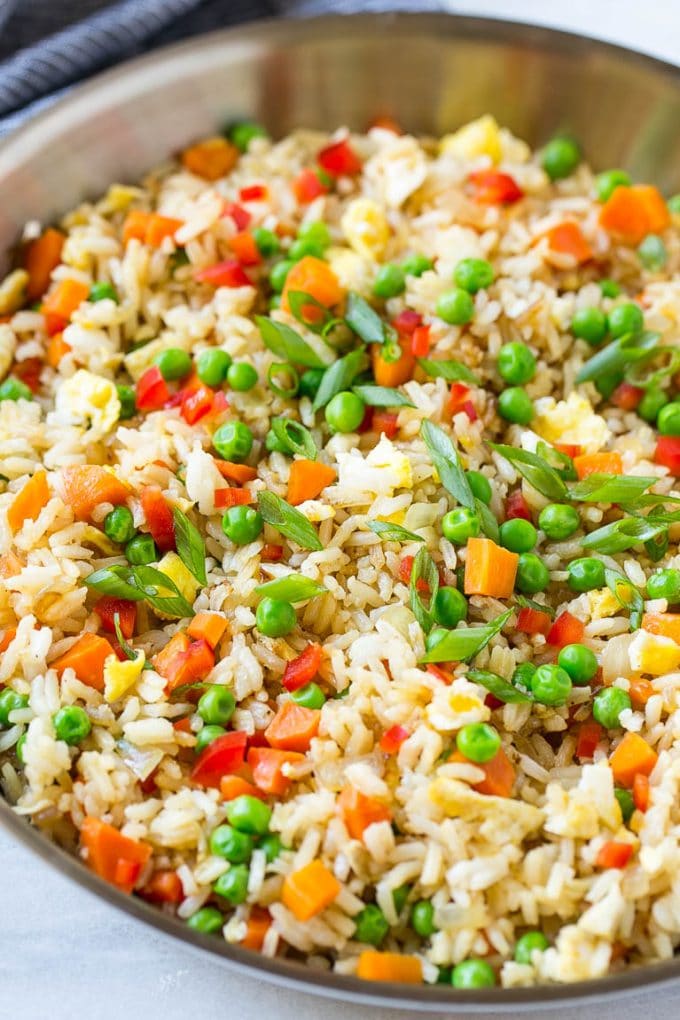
(141, 763)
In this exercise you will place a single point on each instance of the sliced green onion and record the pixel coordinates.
(284, 369)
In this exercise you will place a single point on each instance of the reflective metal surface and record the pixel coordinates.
(432, 73)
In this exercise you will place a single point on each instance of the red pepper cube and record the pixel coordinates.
(566, 630)
(667, 453)
(491, 187)
(302, 670)
(517, 506)
(222, 757)
(339, 160)
(151, 391)
(307, 186)
(224, 274)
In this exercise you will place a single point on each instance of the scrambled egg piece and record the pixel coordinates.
(480, 137)
(12, 291)
(385, 469)
(570, 421)
(653, 654)
(456, 706)
(398, 169)
(365, 227)
(172, 566)
(89, 398)
(119, 676)
(516, 818)
(602, 604)
(351, 269)
(580, 812)
(8, 345)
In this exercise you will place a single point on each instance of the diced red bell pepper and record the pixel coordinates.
(196, 404)
(407, 322)
(420, 342)
(627, 397)
(238, 214)
(667, 453)
(106, 609)
(245, 249)
(254, 193)
(532, 621)
(233, 496)
(491, 187)
(29, 371)
(459, 396)
(224, 274)
(405, 568)
(151, 392)
(158, 517)
(366, 423)
(566, 630)
(441, 674)
(517, 506)
(303, 669)
(271, 553)
(392, 739)
(385, 422)
(614, 855)
(224, 755)
(54, 323)
(307, 186)
(589, 736)
(339, 159)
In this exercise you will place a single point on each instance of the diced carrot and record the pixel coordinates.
(164, 886)
(631, 756)
(393, 373)
(567, 239)
(307, 479)
(307, 186)
(234, 786)
(183, 725)
(211, 159)
(598, 463)
(392, 739)
(491, 187)
(499, 774)
(232, 497)
(271, 552)
(310, 890)
(613, 855)
(570, 449)
(64, 298)
(109, 607)
(267, 764)
(208, 626)
(566, 630)
(358, 811)
(134, 225)
(532, 621)
(189, 666)
(86, 658)
(245, 248)
(303, 668)
(316, 278)
(666, 624)
(632, 212)
(158, 517)
(239, 473)
(386, 123)
(589, 736)
(640, 691)
(57, 348)
(8, 636)
(29, 501)
(159, 227)
(40, 258)
(392, 967)
(641, 791)
(257, 926)
(163, 660)
(85, 486)
(114, 857)
(444, 675)
(293, 727)
(489, 569)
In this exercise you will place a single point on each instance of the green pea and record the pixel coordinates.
(518, 535)
(119, 524)
(233, 884)
(271, 844)
(103, 292)
(128, 406)
(610, 288)
(444, 975)
(207, 920)
(275, 618)
(473, 974)
(173, 363)
(278, 274)
(651, 404)
(390, 281)
(399, 897)
(141, 550)
(316, 232)
(608, 704)
(626, 803)
(309, 696)
(579, 662)
(345, 412)
(422, 919)
(267, 242)
(551, 685)
(516, 363)
(559, 521)
(664, 584)
(480, 485)
(9, 702)
(242, 524)
(206, 735)
(14, 389)
(455, 307)
(242, 133)
(560, 158)
(449, 606)
(300, 248)
(416, 265)
(625, 318)
(216, 705)
(590, 324)
(212, 366)
(532, 574)
(19, 749)
(310, 380)
(668, 420)
(585, 574)
(233, 440)
(528, 944)
(523, 675)
(371, 925)
(478, 742)
(249, 814)
(236, 847)
(460, 524)
(652, 253)
(241, 376)
(515, 405)
(608, 181)
(473, 274)
(71, 724)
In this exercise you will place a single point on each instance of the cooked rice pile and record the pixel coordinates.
(492, 866)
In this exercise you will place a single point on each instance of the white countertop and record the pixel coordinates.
(66, 954)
